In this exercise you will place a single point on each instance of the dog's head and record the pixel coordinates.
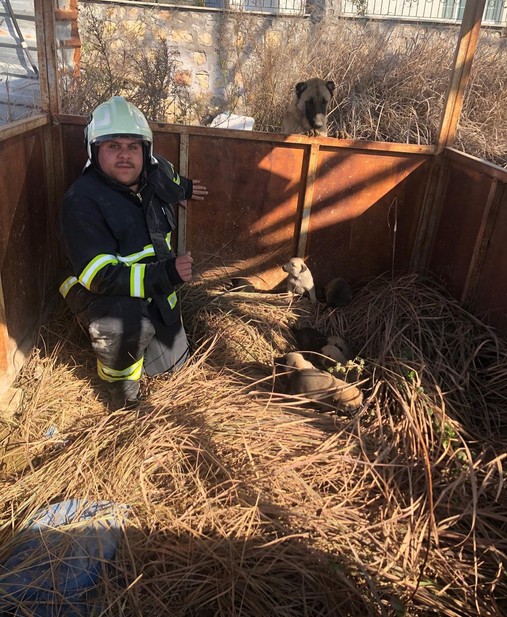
(338, 341)
(313, 98)
(297, 360)
(295, 266)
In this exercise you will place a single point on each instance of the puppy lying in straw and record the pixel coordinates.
(309, 339)
(338, 292)
(324, 389)
(333, 353)
(341, 343)
(240, 283)
(300, 279)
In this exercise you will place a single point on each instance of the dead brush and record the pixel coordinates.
(391, 83)
(118, 58)
(243, 502)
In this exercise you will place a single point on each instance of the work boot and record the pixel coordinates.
(123, 395)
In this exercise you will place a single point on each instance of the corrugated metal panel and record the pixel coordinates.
(19, 84)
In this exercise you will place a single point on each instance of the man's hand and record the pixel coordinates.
(199, 191)
(184, 266)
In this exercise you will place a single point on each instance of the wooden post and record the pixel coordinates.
(463, 58)
(182, 212)
(47, 47)
(437, 178)
(47, 50)
(311, 175)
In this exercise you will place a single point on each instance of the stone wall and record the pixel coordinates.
(212, 44)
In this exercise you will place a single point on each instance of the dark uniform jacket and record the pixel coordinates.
(118, 242)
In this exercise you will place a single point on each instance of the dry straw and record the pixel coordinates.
(243, 502)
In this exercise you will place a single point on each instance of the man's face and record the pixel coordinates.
(122, 159)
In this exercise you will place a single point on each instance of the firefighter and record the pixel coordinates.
(118, 220)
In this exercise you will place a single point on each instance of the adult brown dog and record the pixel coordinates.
(307, 111)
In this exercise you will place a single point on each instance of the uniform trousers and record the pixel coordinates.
(124, 330)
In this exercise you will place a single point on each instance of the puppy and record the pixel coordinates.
(334, 353)
(338, 292)
(309, 339)
(241, 283)
(338, 341)
(300, 279)
(347, 397)
(295, 359)
(324, 389)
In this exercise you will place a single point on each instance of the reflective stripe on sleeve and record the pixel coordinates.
(172, 299)
(168, 240)
(148, 251)
(137, 280)
(97, 263)
(67, 285)
(133, 373)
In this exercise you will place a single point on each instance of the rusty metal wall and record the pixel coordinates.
(351, 211)
(270, 201)
(365, 213)
(469, 244)
(25, 245)
(250, 217)
(490, 294)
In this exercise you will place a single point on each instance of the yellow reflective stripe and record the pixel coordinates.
(176, 178)
(148, 251)
(168, 240)
(172, 299)
(132, 373)
(67, 285)
(97, 263)
(137, 280)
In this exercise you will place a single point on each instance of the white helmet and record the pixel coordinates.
(118, 118)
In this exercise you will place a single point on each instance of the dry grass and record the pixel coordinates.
(391, 84)
(242, 502)
(391, 81)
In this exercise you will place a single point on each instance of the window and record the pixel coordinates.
(283, 7)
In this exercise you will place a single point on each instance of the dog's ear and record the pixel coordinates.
(304, 267)
(300, 88)
(330, 85)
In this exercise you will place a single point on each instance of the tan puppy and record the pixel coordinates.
(338, 341)
(307, 111)
(324, 389)
(300, 278)
(335, 354)
(297, 360)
